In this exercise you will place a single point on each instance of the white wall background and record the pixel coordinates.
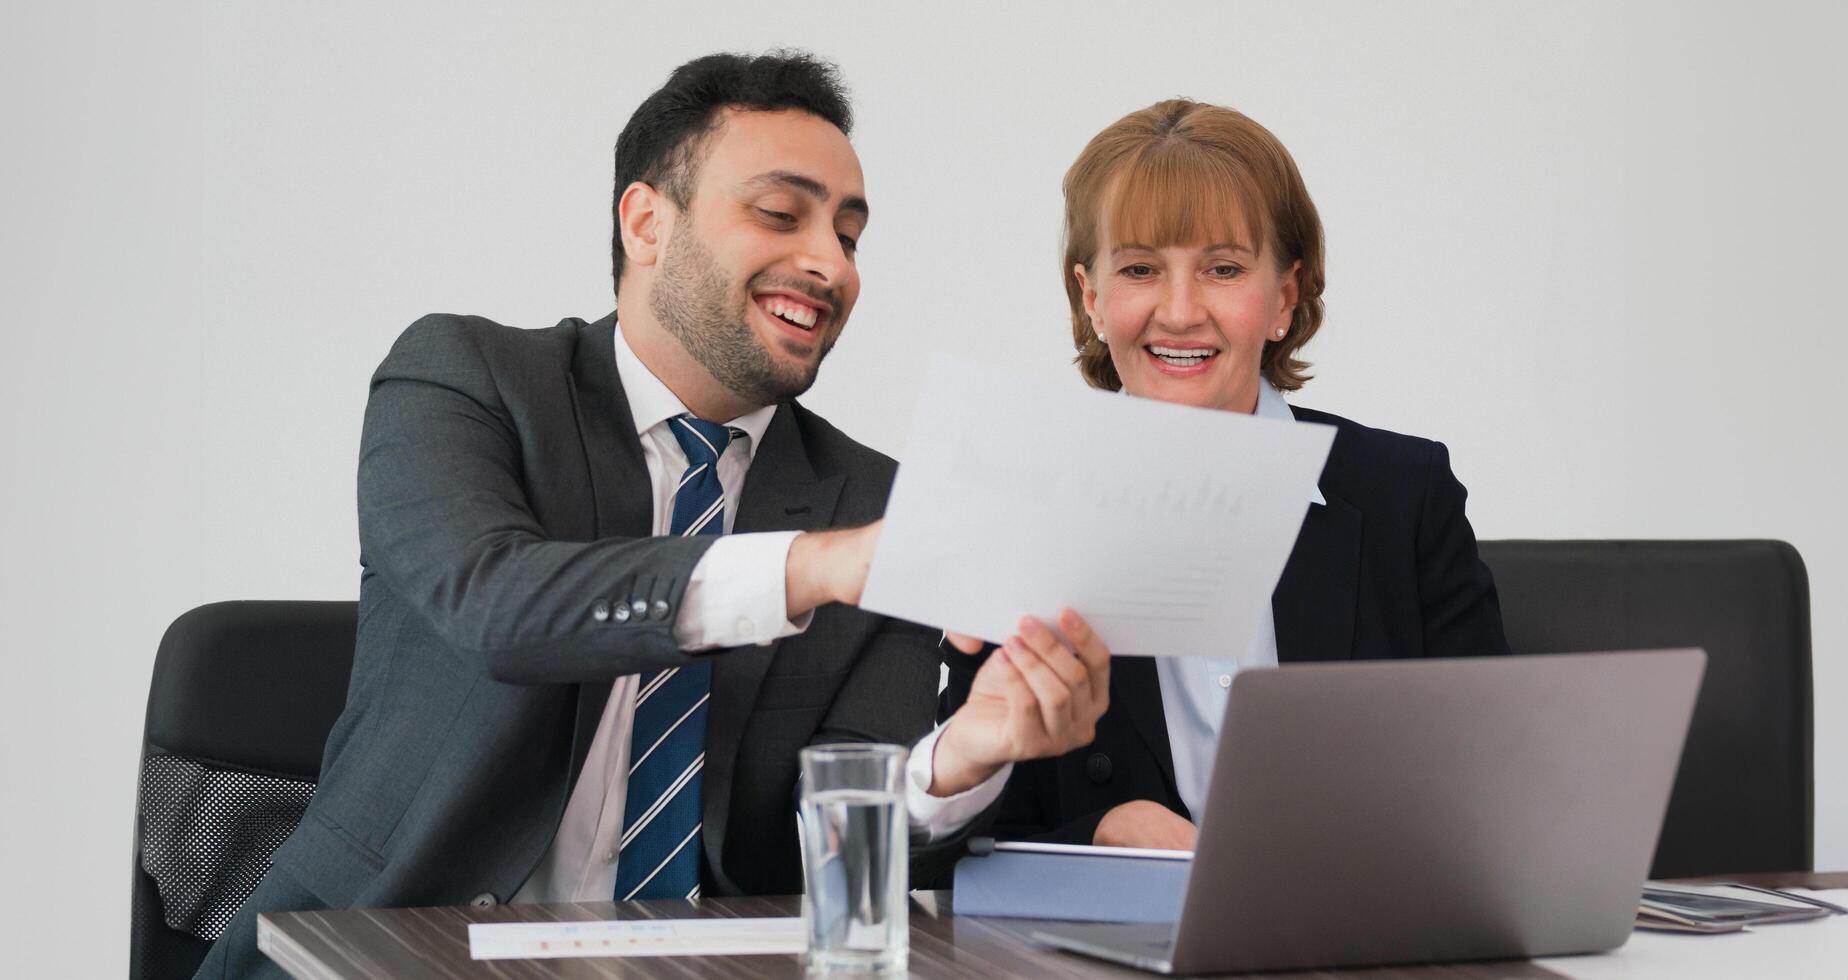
(1592, 247)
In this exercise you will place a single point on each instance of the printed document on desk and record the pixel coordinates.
(1165, 526)
(638, 937)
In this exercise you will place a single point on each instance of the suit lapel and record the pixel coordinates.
(1314, 602)
(1313, 606)
(1135, 689)
(619, 482)
(781, 493)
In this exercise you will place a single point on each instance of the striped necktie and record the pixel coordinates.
(661, 817)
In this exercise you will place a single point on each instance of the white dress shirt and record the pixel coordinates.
(749, 607)
(1194, 690)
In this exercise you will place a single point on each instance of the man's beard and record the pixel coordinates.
(694, 301)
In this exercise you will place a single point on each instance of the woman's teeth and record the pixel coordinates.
(1180, 357)
(796, 313)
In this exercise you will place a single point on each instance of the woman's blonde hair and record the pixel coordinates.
(1180, 173)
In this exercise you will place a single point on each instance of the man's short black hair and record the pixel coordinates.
(664, 141)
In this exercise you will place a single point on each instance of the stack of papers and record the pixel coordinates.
(1723, 907)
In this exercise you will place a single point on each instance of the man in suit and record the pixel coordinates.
(602, 607)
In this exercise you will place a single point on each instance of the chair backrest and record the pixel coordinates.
(1744, 796)
(241, 702)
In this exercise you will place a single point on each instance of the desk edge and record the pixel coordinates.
(291, 956)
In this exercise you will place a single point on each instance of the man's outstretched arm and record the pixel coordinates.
(445, 522)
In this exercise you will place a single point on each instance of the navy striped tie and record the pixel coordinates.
(661, 818)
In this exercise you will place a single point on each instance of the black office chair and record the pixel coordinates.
(239, 708)
(1744, 796)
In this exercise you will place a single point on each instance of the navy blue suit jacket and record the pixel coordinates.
(1386, 569)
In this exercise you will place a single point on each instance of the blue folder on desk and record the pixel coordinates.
(1067, 881)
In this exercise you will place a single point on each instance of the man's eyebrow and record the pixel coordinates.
(810, 186)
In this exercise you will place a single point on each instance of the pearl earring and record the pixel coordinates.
(1280, 332)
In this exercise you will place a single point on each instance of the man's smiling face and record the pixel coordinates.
(757, 275)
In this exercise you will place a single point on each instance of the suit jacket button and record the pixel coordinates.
(1098, 767)
(621, 614)
(660, 609)
(485, 900)
(600, 610)
(639, 607)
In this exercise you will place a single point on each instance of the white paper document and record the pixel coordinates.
(641, 937)
(1092, 850)
(1165, 526)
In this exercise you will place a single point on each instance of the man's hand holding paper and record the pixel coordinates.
(1039, 694)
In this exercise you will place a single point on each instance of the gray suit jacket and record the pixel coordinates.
(504, 510)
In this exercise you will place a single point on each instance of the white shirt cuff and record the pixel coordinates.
(735, 594)
(941, 816)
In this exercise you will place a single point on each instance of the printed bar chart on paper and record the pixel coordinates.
(1165, 526)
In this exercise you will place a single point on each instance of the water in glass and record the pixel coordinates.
(855, 846)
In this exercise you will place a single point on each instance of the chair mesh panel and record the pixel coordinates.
(207, 835)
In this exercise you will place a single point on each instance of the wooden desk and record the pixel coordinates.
(404, 944)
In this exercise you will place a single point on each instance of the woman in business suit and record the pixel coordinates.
(1194, 268)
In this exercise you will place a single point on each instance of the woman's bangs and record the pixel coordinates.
(1173, 194)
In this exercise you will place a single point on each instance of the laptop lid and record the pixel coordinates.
(1417, 811)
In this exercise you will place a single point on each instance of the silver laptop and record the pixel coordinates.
(1423, 811)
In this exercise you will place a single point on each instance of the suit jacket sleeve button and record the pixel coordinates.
(660, 609)
(600, 611)
(485, 900)
(639, 607)
(1098, 767)
(621, 614)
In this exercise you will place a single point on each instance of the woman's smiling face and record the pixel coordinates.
(1193, 259)
(1188, 323)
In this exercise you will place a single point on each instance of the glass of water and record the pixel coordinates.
(855, 858)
